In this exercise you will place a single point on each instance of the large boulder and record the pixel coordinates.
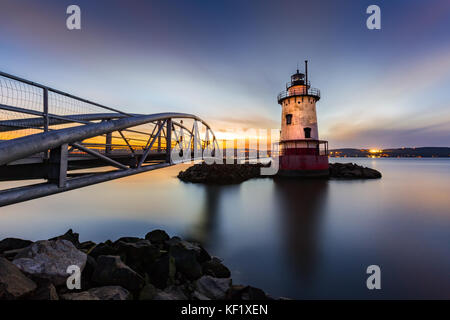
(201, 254)
(139, 255)
(100, 293)
(170, 293)
(69, 236)
(157, 236)
(239, 292)
(50, 259)
(84, 295)
(128, 240)
(163, 271)
(111, 270)
(103, 249)
(8, 244)
(88, 271)
(186, 261)
(213, 288)
(216, 268)
(11, 254)
(86, 246)
(111, 293)
(13, 283)
(148, 292)
(198, 296)
(45, 291)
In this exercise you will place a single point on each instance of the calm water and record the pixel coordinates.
(298, 239)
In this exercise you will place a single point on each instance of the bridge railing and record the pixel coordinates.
(28, 108)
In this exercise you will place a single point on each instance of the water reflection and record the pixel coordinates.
(298, 239)
(204, 229)
(300, 204)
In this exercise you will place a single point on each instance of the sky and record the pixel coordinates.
(226, 61)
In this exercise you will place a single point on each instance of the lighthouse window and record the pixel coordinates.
(288, 118)
(307, 132)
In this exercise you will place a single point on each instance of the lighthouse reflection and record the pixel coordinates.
(204, 229)
(299, 209)
(301, 206)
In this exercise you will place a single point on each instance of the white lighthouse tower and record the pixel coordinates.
(301, 151)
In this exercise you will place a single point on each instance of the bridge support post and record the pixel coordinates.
(108, 143)
(159, 137)
(45, 115)
(169, 141)
(57, 172)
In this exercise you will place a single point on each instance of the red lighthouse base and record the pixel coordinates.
(303, 162)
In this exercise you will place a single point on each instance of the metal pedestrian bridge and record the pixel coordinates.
(52, 141)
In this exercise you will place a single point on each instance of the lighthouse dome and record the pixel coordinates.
(298, 78)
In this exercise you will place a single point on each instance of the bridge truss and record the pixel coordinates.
(53, 141)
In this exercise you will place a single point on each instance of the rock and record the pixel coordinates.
(213, 288)
(88, 271)
(170, 293)
(69, 236)
(11, 254)
(110, 293)
(128, 240)
(84, 295)
(158, 267)
(50, 259)
(172, 241)
(148, 292)
(248, 293)
(186, 261)
(86, 246)
(157, 236)
(102, 249)
(13, 283)
(163, 272)
(8, 244)
(201, 254)
(221, 173)
(139, 256)
(352, 171)
(111, 270)
(215, 268)
(198, 296)
(45, 291)
(237, 173)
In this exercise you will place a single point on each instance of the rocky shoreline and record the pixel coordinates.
(352, 171)
(237, 173)
(220, 173)
(156, 267)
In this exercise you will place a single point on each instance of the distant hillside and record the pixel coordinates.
(424, 152)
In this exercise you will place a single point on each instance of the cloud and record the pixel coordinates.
(253, 122)
(434, 135)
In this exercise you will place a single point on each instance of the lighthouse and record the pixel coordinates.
(301, 152)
